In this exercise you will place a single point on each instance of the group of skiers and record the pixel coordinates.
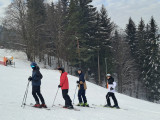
(64, 85)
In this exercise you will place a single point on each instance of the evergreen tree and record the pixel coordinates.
(131, 36)
(107, 28)
(141, 48)
(80, 29)
(88, 22)
(152, 62)
(102, 44)
(141, 42)
(35, 26)
(72, 30)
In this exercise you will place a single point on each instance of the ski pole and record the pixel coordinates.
(75, 93)
(55, 97)
(25, 95)
(26, 98)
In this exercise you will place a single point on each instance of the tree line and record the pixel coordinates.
(78, 35)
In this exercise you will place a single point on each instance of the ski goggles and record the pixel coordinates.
(32, 66)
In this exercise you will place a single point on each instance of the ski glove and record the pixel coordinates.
(111, 88)
(59, 86)
(30, 78)
(77, 82)
(81, 82)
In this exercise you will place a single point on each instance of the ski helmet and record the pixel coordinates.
(108, 75)
(33, 64)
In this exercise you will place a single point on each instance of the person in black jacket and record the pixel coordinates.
(82, 89)
(36, 83)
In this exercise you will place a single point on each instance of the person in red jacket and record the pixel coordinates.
(64, 85)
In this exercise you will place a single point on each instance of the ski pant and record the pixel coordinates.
(36, 93)
(110, 94)
(66, 97)
(81, 94)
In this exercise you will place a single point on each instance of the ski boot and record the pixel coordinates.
(86, 105)
(107, 106)
(116, 106)
(70, 107)
(43, 106)
(37, 106)
(65, 106)
(80, 104)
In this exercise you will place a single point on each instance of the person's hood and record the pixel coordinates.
(65, 73)
(36, 68)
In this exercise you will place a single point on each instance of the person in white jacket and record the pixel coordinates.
(111, 86)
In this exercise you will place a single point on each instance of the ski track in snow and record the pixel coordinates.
(13, 82)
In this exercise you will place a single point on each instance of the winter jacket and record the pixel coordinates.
(36, 77)
(82, 82)
(64, 81)
(110, 80)
(111, 85)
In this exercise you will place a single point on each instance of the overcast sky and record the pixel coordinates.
(119, 10)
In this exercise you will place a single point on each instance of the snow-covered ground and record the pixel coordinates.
(13, 82)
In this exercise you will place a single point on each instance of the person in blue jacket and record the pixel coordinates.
(36, 83)
(82, 89)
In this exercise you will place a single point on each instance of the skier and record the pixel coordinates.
(36, 83)
(111, 86)
(64, 85)
(82, 89)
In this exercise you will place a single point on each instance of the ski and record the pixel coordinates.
(75, 109)
(109, 107)
(101, 106)
(31, 105)
(85, 106)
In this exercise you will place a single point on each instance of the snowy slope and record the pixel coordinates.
(13, 83)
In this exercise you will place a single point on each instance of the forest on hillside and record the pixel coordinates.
(79, 35)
